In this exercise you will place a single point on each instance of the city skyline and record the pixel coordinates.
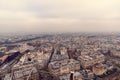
(59, 16)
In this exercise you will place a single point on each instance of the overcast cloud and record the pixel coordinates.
(59, 15)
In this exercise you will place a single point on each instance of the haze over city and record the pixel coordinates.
(59, 39)
(59, 16)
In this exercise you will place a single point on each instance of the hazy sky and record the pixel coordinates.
(59, 15)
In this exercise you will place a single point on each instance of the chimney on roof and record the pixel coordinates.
(72, 75)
